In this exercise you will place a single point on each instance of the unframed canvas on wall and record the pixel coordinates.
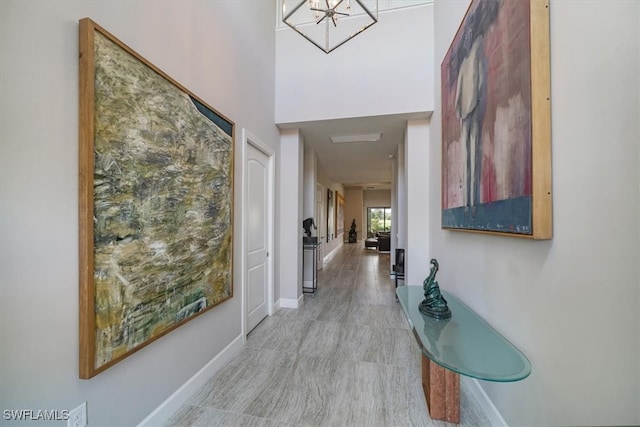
(496, 123)
(156, 202)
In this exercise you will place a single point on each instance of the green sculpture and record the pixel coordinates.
(434, 304)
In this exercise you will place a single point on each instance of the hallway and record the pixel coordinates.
(345, 358)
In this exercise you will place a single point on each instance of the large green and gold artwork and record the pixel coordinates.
(156, 202)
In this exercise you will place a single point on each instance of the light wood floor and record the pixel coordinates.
(345, 358)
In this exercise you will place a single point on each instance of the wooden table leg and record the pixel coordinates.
(441, 390)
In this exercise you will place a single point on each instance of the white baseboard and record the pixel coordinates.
(489, 409)
(290, 302)
(174, 402)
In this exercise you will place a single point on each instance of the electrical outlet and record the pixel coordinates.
(78, 416)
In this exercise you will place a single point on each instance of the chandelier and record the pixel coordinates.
(328, 24)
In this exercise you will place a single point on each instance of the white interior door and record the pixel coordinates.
(257, 217)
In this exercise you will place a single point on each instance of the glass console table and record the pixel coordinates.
(462, 345)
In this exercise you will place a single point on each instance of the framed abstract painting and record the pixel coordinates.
(331, 215)
(155, 202)
(339, 214)
(496, 121)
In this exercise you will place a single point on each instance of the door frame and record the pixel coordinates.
(249, 139)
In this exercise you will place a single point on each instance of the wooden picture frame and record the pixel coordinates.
(496, 121)
(331, 216)
(339, 214)
(155, 202)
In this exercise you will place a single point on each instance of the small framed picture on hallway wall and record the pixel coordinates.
(496, 121)
(331, 216)
(339, 214)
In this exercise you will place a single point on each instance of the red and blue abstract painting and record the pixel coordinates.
(486, 120)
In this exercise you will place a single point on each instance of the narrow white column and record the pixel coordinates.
(290, 224)
(417, 186)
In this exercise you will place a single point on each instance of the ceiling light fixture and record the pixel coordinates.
(360, 137)
(318, 22)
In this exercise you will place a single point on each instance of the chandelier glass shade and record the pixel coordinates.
(328, 24)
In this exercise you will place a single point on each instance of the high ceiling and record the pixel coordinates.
(363, 164)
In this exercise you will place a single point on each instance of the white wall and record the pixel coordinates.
(417, 254)
(400, 184)
(570, 304)
(354, 80)
(291, 208)
(376, 199)
(202, 45)
(310, 179)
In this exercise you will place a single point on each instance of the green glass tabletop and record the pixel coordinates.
(464, 343)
